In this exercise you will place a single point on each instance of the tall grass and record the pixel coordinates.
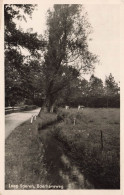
(82, 143)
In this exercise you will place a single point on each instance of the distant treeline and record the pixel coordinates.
(93, 93)
(97, 102)
(90, 93)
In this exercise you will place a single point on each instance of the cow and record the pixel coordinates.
(66, 107)
(80, 107)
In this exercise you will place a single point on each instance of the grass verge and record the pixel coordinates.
(24, 166)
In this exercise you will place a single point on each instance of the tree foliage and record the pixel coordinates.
(50, 73)
(67, 51)
(16, 37)
(111, 86)
(16, 68)
(111, 90)
(95, 86)
(93, 93)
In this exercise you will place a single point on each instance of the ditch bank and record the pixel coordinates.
(61, 170)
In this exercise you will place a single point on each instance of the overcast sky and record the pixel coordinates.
(105, 20)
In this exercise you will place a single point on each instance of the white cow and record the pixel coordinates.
(66, 107)
(80, 107)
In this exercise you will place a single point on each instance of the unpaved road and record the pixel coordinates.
(15, 119)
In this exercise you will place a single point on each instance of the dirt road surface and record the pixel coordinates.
(15, 119)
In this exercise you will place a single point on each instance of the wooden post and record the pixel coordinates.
(32, 118)
(74, 120)
(35, 117)
(79, 107)
(101, 140)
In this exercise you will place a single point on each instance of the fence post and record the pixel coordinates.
(35, 117)
(32, 119)
(101, 140)
(74, 120)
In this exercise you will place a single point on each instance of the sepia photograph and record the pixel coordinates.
(62, 96)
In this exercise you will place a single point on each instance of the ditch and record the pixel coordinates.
(61, 171)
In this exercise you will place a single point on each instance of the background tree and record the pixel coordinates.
(17, 41)
(91, 93)
(96, 91)
(95, 86)
(78, 92)
(111, 91)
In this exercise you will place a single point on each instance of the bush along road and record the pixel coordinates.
(64, 152)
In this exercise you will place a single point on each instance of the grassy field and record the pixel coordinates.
(82, 141)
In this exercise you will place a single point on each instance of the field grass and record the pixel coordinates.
(82, 143)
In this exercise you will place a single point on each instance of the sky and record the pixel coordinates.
(105, 20)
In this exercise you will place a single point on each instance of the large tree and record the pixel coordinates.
(67, 53)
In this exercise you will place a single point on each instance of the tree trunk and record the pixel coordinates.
(48, 106)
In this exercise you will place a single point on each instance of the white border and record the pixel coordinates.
(2, 118)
